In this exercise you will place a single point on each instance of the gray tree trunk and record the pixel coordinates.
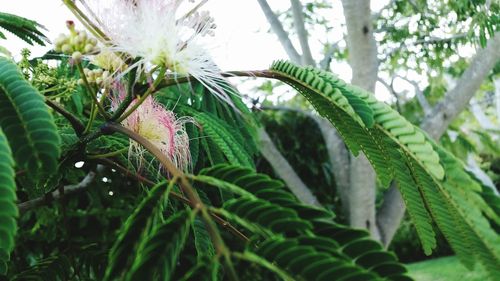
(363, 60)
(284, 170)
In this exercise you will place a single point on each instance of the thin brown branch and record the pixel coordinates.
(72, 119)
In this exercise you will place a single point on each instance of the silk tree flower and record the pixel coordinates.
(161, 127)
(153, 31)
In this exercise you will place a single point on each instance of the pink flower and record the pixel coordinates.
(161, 127)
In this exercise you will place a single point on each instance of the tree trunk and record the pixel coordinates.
(284, 170)
(363, 60)
(339, 159)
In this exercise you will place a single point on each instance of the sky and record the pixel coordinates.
(241, 39)
(241, 42)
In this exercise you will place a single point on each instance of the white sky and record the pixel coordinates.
(241, 38)
(242, 41)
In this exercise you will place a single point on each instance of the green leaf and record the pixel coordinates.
(158, 252)
(27, 123)
(310, 234)
(27, 30)
(202, 241)
(433, 184)
(8, 207)
(121, 254)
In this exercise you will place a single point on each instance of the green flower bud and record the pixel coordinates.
(66, 48)
(76, 56)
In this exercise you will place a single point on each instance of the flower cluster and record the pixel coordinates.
(96, 76)
(76, 44)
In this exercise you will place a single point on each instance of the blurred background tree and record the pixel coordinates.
(436, 62)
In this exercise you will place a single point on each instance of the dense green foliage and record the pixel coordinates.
(99, 200)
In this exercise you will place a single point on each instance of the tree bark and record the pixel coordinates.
(278, 29)
(339, 159)
(457, 98)
(284, 170)
(363, 60)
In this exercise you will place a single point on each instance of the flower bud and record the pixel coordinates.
(92, 41)
(66, 48)
(76, 56)
(88, 48)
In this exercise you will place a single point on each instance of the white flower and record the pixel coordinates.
(153, 31)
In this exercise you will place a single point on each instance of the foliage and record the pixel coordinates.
(136, 215)
(27, 30)
(398, 149)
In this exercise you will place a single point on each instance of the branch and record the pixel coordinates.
(456, 100)
(298, 20)
(175, 195)
(483, 120)
(361, 43)
(426, 41)
(497, 98)
(327, 59)
(278, 29)
(285, 170)
(422, 100)
(377, 15)
(390, 88)
(55, 195)
(339, 158)
(390, 214)
(72, 119)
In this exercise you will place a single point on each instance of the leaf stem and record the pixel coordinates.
(85, 20)
(130, 94)
(109, 154)
(91, 93)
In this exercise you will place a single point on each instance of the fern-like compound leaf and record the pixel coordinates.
(158, 252)
(433, 183)
(8, 207)
(121, 254)
(27, 123)
(27, 30)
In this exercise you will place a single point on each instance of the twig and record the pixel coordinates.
(91, 93)
(72, 119)
(55, 195)
(148, 92)
(390, 87)
(422, 100)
